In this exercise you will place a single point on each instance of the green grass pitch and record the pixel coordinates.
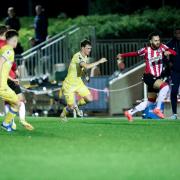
(94, 148)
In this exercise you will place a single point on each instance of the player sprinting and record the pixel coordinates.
(73, 82)
(6, 93)
(153, 56)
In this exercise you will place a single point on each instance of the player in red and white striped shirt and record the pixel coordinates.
(153, 56)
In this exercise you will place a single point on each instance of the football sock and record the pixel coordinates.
(22, 111)
(10, 115)
(81, 102)
(60, 93)
(6, 108)
(162, 95)
(133, 111)
(66, 110)
(139, 107)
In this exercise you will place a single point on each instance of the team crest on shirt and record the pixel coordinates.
(155, 59)
(8, 52)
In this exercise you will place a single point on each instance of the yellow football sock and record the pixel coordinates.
(65, 112)
(81, 102)
(60, 93)
(10, 115)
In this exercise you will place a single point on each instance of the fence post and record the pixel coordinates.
(66, 49)
(92, 30)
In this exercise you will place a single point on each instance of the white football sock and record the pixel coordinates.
(22, 111)
(139, 107)
(162, 95)
(6, 108)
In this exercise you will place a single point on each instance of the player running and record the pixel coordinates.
(13, 83)
(6, 93)
(153, 56)
(73, 82)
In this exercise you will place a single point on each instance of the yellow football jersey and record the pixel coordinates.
(6, 52)
(75, 71)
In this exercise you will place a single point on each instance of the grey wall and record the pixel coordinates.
(126, 98)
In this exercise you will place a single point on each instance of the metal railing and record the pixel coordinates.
(42, 59)
(110, 49)
(49, 40)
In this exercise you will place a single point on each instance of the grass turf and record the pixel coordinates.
(96, 148)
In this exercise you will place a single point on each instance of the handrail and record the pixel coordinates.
(49, 40)
(49, 44)
(74, 30)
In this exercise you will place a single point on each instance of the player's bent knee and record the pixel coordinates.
(164, 84)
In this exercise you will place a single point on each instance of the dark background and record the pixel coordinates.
(53, 7)
(74, 8)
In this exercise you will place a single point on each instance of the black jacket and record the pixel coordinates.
(175, 60)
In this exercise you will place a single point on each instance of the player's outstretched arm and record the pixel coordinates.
(91, 65)
(120, 58)
(129, 54)
(170, 52)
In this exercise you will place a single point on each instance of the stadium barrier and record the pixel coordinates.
(120, 100)
(41, 98)
(99, 90)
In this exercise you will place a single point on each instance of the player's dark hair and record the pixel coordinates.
(11, 33)
(85, 42)
(151, 35)
(3, 29)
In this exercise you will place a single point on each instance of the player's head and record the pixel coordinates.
(3, 30)
(177, 33)
(86, 47)
(12, 38)
(154, 39)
